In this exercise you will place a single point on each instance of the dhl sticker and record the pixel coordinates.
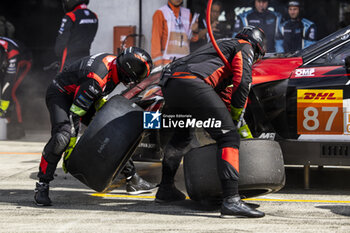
(320, 96)
(320, 112)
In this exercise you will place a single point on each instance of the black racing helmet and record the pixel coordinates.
(134, 64)
(69, 5)
(3, 60)
(256, 37)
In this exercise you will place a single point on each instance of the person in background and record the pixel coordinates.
(77, 31)
(220, 29)
(269, 21)
(73, 93)
(346, 21)
(6, 28)
(16, 63)
(297, 32)
(172, 31)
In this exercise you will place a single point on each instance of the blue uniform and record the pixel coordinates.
(268, 21)
(297, 34)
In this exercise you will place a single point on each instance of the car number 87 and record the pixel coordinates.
(312, 118)
(320, 120)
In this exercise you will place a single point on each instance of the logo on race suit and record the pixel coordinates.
(252, 21)
(151, 120)
(305, 72)
(270, 21)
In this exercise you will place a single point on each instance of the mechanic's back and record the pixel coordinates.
(77, 31)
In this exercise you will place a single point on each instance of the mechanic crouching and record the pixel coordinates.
(73, 93)
(197, 85)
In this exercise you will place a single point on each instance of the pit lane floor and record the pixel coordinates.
(323, 208)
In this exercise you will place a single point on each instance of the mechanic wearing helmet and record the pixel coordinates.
(297, 32)
(203, 80)
(76, 90)
(16, 61)
(269, 21)
(77, 31)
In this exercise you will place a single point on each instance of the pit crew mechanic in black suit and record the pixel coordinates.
(70, 96)
(199, 85)
(297, 32)
(77, 31)
(16, 62)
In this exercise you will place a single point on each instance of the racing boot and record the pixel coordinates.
(251, 205)
(169, 193)
(41, 196)
(233, 206)
(136, 185)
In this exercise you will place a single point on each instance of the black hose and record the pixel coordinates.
(140, 21)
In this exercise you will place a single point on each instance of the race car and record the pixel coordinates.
(302, 100)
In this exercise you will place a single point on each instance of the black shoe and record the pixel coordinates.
(41, 196)
(233, 206)
(137, 185)
(169, 193)
(251, 205)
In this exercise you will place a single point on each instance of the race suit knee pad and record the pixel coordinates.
(56, 146)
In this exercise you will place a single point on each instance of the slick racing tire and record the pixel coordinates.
(107, 144)
(261, 170)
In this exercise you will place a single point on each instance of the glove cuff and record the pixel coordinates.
(4, 104)
(236, 113)
(77, 110)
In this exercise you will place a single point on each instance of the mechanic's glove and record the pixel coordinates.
(99, 103)
(236, 113)
(74, 122)
(77, 110)
(67, 153)
(4, 104)
(244, 131)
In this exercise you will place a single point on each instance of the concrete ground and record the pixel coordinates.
(325, 207)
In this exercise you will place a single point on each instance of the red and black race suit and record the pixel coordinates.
(88, 79)
(77, 31)
(198, 85)
(81, 84)
(19, 64)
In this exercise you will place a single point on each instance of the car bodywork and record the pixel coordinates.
(303, 101)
